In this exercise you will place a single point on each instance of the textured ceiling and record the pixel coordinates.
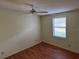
(52, 6)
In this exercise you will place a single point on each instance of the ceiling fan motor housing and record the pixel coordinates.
(33, 11)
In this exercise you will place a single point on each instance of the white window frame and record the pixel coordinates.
(59, 27)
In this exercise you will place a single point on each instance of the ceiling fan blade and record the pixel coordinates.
(28, 4)
(25, 12)
(42, 12)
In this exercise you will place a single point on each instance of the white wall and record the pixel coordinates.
(72, 31)
(18, 31)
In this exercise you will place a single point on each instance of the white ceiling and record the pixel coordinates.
(52, 6)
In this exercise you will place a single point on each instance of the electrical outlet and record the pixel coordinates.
(2, 55)
(69, 45)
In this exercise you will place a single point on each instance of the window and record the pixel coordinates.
(59, 27)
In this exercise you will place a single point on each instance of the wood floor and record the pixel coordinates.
(44, 51)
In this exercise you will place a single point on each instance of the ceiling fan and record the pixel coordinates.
(34, 10)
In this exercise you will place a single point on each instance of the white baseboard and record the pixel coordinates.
(22, 49)
(74, 51)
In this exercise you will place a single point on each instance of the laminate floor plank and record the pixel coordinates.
(44, 51)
